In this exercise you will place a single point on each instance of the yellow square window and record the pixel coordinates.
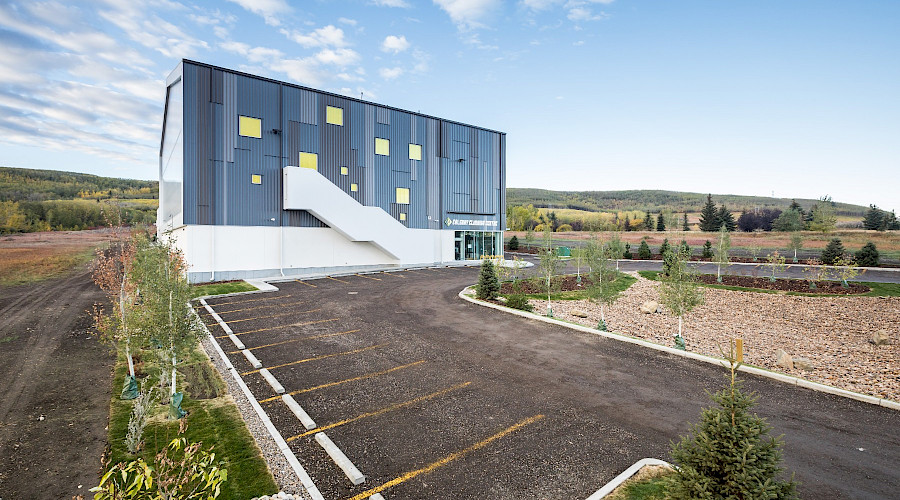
(256, 179)
(382, 147)
(250, 127)
(402, 216)
(334, 116)
(345, 170)
(415, 151)
(354, 187)
(403, 196)
(309, 160)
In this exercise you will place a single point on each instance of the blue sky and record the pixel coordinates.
(798, 98)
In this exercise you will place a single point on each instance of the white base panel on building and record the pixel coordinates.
(218, 253)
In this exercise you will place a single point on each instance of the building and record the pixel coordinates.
(261, 178)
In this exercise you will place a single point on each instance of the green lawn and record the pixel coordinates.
(222, 288)
(876, 289)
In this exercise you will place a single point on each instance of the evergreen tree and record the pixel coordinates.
(724, 217)
(707, 250)
(514, 243)
(664, 247)
(684, 223)
(660, 223)
(627, 226)
(874, 218)
(644, 250)
(648, 221)
(488, 282)
(789, 220)
(797, 208)
(709, 216)
(685, 247)
(867, 256)
(627, 253)
(822, 215)
(834, 250)
(890, 222)
(730, 454)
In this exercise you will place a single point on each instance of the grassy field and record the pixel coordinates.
(222, 288)
(212, 419)
(32, 257)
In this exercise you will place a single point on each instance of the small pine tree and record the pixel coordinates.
(729, 453)
(724, 217)
(660, 223)
(648, 221)
(488, 283)
(708, 216)
(890, 222)
(833, 251)
(874, 218)
(707, 250)
(685, 247)
(627, 253)
(627, 225)
(644, 250)
(684, 224)
(665, 247)
(867, 256)
(514, 243)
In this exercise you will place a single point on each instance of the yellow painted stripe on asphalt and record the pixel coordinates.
(446, 460)
(258, 307)
(271, 316)
(394, 274)
(381, 411)
(307, 284)
(339, 382)
(304, 323)
(368, 277)
(249, 300)
(297, 340)
(335, 279)
(316, 358)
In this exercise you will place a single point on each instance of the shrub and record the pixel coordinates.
(514, 243)
(627, 253)
(867, 256)
(730, 454)
(644, 250)
(833, 250)
(665, 247)
(519, 301)
(488, 282)
(140, 412)
(707, 250)
(564, 228)
(685, 247)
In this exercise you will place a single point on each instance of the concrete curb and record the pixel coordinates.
(789, 379)
(621, 478)
(282, 445)
(353, 474)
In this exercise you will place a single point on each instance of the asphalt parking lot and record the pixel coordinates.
(430, 396)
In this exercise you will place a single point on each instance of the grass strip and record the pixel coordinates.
(215, 421)
(222, 288)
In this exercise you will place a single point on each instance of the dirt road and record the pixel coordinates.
(55, 389)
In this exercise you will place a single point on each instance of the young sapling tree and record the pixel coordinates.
(845, 269)
(604, 287)
(795, 244)
(776, 264)
(814, 271)
(722, 248)
(679, 290)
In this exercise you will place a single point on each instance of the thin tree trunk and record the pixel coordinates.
(679, 327)
(125, 329)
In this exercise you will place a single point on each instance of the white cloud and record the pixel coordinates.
(467, 13)
(327, 36)
(394, 44)
(584, 14)
(253, 54)
(344, 20)
(390, 73)
(269, 10)
(578, 43)
(422, 59)
(339, 57)
(304, 71)
(391, 3)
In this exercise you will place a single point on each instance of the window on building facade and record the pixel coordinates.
(415, 151)
(382, 147)
(309, 160)
(334, 116)
(403, 196)
(250, 127)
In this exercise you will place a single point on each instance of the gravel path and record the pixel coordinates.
(832, 332)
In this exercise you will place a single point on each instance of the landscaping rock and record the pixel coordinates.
(804, 364)
(783, 360)
(650, 307)
(579, 314)
(881, 337)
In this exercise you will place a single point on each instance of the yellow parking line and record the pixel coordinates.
(340, 281)
(307, 284)
(381, 411)
(249, 300)
(339, 382)
(316, 358)
(446, 460)
(259, 307)
(394, 274)
(271, 316)
(368, 277)
(297, 340)
(304, 323)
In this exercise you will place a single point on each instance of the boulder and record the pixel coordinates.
(804, 364)
(881, 337)
(649, 307)
(783, 360)
(579, 314)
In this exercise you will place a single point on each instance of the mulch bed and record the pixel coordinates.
(536, 285)
(786, 285)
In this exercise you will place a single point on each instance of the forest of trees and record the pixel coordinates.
(44, 200)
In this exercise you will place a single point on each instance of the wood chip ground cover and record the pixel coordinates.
(832, 332)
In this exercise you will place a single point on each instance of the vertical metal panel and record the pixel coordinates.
(432, 172)
(383, 116)
(369, 148)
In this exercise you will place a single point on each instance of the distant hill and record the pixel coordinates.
(23, 184)
(43, 200)
(656, 201)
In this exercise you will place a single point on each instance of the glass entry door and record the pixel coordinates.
(475, 245)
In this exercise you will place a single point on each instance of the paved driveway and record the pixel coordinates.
(430, 396)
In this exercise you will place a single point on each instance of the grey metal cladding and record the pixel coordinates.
(219, 163)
